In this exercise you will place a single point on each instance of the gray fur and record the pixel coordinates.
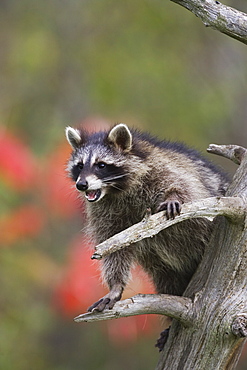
(156, 176)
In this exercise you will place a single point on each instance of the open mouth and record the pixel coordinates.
(93, 195)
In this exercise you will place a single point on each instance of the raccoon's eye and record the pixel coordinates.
(80, 166)
(101, 165)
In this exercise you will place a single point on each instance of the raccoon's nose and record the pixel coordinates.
(82, 185)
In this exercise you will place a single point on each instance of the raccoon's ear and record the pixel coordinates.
(121, 137)
(73, 136)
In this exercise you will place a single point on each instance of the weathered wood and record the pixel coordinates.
(231, 207)
(219, 292)
(161, 304)
(233, 152)
(218, 16)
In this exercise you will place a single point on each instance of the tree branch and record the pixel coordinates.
(220, 17)
(234, 152)
(176, 307)
(231, 207)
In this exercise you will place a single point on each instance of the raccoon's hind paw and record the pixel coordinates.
(107, 302)
(172, 208)
(100, 305)
(162, 339)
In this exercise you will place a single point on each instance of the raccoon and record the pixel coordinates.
(121, 173)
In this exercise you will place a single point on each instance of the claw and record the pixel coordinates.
(172, 208)
(99, 305)
(107, 302)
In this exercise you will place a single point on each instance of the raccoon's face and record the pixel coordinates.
(96, 177)
(97, 164)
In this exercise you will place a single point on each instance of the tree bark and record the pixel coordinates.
(219, 292)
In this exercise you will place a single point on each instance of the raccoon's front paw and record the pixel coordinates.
(172, 208)
(104, 303)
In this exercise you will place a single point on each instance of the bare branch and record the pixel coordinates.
(176, 307)
(231, 207)
(233, 152)
(219, 16)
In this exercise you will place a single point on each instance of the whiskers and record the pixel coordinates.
(110, 180)
(116, 187)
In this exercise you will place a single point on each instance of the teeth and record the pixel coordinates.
(93, 195)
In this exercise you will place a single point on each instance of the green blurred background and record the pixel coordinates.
(150, 64)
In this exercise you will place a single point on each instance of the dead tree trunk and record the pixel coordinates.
(210, 321)
(219, 294)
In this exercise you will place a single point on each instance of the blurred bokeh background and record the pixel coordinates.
(150, 64)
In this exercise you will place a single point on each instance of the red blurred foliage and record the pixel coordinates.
(17, 165)
(18, 171)
(24, 222)
(130, 329)
(60, 195)
(80, 284)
